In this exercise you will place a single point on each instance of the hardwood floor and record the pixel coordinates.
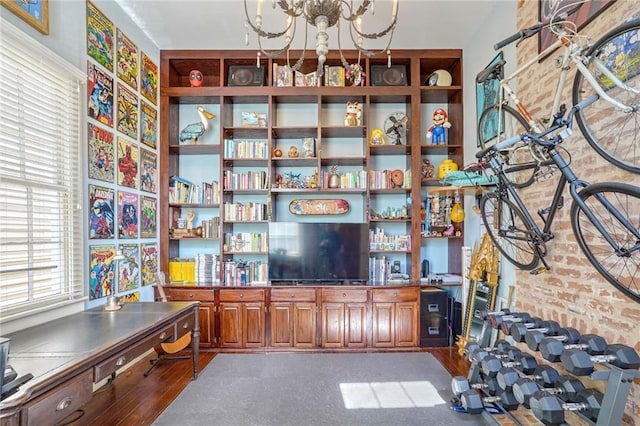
(132, 399)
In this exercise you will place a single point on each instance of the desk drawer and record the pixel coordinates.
(190, 295)
(108, 366)
(396, 295)
(293, 295)
(61, 401)
(344, 295)
(184, 326)
(244, 295)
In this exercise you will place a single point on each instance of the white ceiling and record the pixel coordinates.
(219, 24)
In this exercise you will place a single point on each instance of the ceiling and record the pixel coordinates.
(220, 24)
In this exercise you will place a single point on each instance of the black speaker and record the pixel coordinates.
(243, 75)
(395, 267)
(381, 75)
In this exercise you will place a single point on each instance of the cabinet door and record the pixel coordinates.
(383, 324)
(231, 325)
(253, 325)
(206, 322)
(333, 325)
(406, 324)
(304, 325)
(281, 324)
(356, 325)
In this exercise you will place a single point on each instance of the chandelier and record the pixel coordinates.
(321, 14)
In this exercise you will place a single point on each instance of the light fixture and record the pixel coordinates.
(322, 14)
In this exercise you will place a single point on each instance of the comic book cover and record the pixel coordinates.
(127, 112)
(101, 212)
(149, 166)
(129, 267)
(127, 215)
(101, 273)
(127, 59)
(149, 79)
(129, 297)
(100, 32)
(100, 95)
(127, 164)
(148, 222)
(148, 124)
(101, 153)
(149, 262)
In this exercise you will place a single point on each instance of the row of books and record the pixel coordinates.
(183, 191)
(379, 270)
(384, 179)
(245, 212)
(249, 180)
(245, 242)
(245, 149)
(210, 227)
(379, 240)
(240, 273)
(348, 180)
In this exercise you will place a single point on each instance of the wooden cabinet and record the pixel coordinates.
(242, 318)
(293, 318)
(344, 318)
(395, 315)
(206, 310)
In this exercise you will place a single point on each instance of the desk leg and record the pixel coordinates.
(195, 343)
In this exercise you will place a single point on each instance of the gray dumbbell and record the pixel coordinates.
(565, 387)
(564, 334)
(460, 384)
(543, 374)
(473, 402)
(550, 409)
(581, 363)
(519, 331)
(523, 362)
(551, 348)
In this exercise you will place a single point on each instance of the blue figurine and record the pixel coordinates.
(193, 131)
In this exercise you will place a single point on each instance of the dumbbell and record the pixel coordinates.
(484, 314)
(544, 374)
(529, 322)
(550, 409)
(581, 363)
(497, 321)
(519, 331)
(473, 402)
(501, 346)
(460, 384)
(551, 348)
(565, 387)
(522, 361)
(563, 334)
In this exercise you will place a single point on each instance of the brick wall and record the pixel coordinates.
(573, 293)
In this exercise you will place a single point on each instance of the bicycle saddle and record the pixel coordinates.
(492, 72)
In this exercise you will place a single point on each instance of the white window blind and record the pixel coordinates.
(41, 219)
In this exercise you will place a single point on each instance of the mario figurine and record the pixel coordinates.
(440, 122)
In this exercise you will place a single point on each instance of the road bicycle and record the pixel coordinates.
(605, 216)
(608, 68)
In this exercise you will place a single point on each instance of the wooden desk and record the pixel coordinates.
(68, 355)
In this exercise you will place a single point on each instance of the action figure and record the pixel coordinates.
(440, 122)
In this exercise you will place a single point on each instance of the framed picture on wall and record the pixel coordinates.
(34, 12)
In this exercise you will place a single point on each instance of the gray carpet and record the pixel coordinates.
(318, 389)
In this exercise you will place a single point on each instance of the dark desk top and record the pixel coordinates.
(74, 341)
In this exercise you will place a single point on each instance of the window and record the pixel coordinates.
(41, 218)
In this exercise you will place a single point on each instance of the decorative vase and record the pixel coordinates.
(334, 178)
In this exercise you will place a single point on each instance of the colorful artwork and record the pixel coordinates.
(148, 124)
(129, 267)
(101, 212)
(149, 261)
(100, 95)
(148, 217)
(149, 165)
(127, 58)
(149, 79)
(101, 275)
(127, 215)
(33, 12)
(129, 297)
(127, 163)
(100, 34)
(101, 153)
(127, 112)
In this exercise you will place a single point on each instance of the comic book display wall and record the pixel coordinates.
(122, 132)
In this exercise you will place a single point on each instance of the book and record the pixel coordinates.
(282, 76)
(148, 215)
(101, 153)
(129, 267)
(101, 212)
(127, 215)
(335, 76)
(100, 270)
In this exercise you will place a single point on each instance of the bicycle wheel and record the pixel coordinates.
(623, 271)
(509, 230)
(511, 124)
(612, 132)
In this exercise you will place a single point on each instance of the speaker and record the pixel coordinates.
(244, 75)
(381, 75)
(395, 267)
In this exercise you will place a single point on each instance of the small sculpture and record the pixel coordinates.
(353, 114)
(309, 147)
(277, 152)
(377, 137)
(293, 152)
(196, 78)
(194, 130)
(426, 171)
(397, 178)
(355, 75)
(440, 122)
(190, 216)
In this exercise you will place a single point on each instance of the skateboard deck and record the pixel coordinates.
(319, 206)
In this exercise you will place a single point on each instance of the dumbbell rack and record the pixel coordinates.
(616, 392)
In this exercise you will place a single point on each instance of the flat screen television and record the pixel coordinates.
(318, 253)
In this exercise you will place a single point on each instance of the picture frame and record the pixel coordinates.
(34, 13)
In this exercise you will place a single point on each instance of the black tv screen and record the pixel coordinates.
(307, 253)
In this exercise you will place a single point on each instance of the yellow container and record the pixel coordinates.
(445, 167)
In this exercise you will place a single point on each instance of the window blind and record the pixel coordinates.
(41, 221)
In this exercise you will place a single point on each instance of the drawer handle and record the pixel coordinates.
(191, 295)
(185, 325)
(163, 336)
(344, 294)
(293, 295)
(241, 295)
(395, 294)
(64, 404)
(121, 361)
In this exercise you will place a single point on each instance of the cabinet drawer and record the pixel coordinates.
(244, 295)
(395, 295)
(344, 295)
(185, 294)
(61, 401)
(183, 326)
(293, 295)
(108, 366)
